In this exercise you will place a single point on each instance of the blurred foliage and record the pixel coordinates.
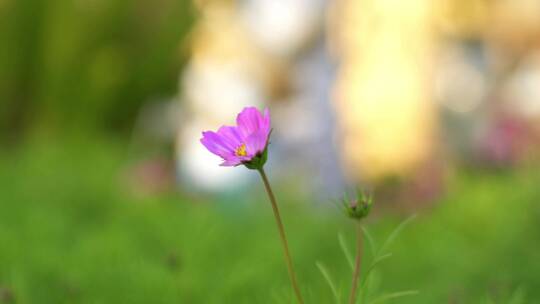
(70, 232)
(86, 64)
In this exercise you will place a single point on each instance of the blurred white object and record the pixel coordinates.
(522, 93)
(459, 84)
(220, 91)
(281, 27)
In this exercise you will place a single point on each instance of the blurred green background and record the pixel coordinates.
(75, 227)
(69, 234)
(86, 65)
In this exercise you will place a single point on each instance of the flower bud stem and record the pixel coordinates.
(279, 223)
(356, 273)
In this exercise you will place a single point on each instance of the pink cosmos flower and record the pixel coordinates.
(244, 143)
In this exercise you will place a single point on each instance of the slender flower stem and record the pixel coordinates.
(356, 274)
(279, 223)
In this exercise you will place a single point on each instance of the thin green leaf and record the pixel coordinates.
(518, 296)
(394, 295)
(307, 291)
(395, 233)
(330, 282)
(371, 241)
(488, 300)
(377, 257)
(280, 297)
(373, 265)
(345, 248)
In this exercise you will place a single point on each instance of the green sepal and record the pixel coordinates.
(257, 162)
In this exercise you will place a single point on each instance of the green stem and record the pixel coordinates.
(279, 223)
(356, 273)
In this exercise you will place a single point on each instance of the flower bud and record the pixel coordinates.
(358, 208)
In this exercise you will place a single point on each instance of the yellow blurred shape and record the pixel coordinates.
(386, 118)
(462, 18)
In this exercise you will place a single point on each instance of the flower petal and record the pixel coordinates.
(249, 121)
(231, 136)
(266, 125)
(231, 162)
(217, 145)
(256, 143)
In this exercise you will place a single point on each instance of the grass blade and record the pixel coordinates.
(373, 265)
(395, 233)
(394, 295)
(518, 296)
(330, 282)
(346, 251)
(371, 241)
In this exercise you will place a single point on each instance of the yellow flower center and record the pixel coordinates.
(241, 151)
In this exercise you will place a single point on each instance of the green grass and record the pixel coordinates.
(70, 232)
